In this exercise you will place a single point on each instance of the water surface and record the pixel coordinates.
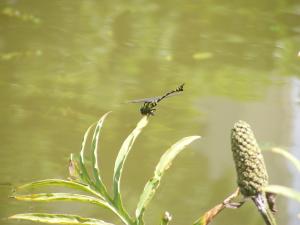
(63, 64)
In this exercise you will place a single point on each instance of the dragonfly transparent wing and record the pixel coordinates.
(152, 99)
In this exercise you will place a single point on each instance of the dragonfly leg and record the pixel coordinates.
(152, 111)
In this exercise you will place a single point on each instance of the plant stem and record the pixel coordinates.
(123, 216)
(263, 207)
(120, 212)
(209, 215)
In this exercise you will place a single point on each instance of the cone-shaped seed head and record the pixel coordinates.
(249, 162)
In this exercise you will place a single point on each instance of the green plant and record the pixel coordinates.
(250, 168)
(81, 179)
(279, 189)
(252, 177)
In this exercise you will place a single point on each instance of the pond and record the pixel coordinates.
(63, 64)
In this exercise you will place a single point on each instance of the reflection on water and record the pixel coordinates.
(83, 58)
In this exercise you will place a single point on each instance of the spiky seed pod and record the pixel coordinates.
(249, 162)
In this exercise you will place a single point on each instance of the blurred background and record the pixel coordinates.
(63, 64)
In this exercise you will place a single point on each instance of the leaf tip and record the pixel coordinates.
(13, 217)
(106, 114)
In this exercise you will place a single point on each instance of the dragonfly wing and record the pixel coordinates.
(152, 99)
(173, 94)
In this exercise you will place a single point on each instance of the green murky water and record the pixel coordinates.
(65, 63)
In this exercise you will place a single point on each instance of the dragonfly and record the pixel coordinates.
(148, 108)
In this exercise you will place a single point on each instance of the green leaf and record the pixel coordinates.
(83, 171)
(49, 197)
(58, 219)
(62, 183)
(288, 156)
(164, 163)
(282, 190)
(122, 155)
(99, 183)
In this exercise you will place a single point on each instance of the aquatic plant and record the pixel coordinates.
(252, 177)
(250, 167)
(92, 184)
(252, 181)
(279, 189)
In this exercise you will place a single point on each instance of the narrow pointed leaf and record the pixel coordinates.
(95, 141)
(288, 156)
(282, 190)
(83, 171)
(49, 197)
(62, 183)
(122, 155)
(58, 219)
(164, 163)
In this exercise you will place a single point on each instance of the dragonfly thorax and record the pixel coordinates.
(148, 108)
